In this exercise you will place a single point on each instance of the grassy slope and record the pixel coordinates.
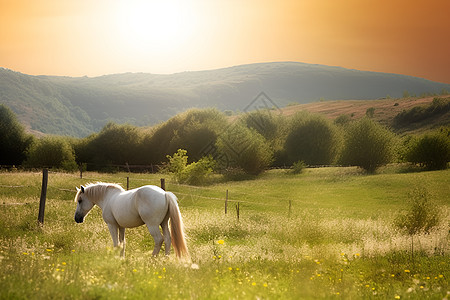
(338, 241)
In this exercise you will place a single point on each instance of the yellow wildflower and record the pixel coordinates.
(220, 242)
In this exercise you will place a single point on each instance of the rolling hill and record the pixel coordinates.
(78, 106)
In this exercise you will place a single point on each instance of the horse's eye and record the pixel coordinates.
(79, 200)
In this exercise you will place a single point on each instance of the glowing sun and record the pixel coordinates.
(155, 24)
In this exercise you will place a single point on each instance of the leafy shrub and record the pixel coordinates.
(195, 173)
(177, 162)
(14, 140)
(52, 152)
(431, 150)
(241, 147)
(298, 167)
(367, 145)
(422, 215)
(312, 139)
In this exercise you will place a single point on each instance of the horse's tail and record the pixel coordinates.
(176, 226)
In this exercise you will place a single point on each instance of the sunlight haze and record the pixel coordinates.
(93, 38)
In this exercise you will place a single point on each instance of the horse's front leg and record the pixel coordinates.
(113, 229)
(122, 241)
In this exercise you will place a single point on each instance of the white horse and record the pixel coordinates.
(149, 205)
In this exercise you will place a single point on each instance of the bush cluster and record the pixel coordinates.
(245, 145)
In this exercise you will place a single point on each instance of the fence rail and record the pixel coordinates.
(193, 194)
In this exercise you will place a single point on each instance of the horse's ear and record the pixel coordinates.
(82, 189)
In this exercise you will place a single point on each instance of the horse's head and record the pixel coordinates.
(84, 205)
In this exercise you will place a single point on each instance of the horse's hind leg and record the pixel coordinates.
(157, 237)
(166, 234)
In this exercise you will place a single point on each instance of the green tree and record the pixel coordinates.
(313, 140)
(114, 144)
(368, 145)
(13, 139)
(242, 147)
(263, 122)
(193, 130)
(431, 150)
(53, 152)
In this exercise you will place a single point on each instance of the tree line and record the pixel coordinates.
(249, 143)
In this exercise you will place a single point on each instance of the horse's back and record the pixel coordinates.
(133, 208)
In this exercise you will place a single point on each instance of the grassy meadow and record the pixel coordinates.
(325, 233)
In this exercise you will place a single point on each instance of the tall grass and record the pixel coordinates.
(339, 241)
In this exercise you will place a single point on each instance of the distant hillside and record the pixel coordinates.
(384, 111)
(79, 106)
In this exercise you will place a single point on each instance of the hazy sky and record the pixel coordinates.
(96, 37)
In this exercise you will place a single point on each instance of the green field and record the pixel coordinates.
(338, 240)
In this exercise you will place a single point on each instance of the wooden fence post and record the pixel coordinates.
(237, 211)
(43, 196)
(128, 183)
(163, 183)
(290, 208)
(226, 203)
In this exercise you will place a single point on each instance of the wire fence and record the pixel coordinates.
(194, 193)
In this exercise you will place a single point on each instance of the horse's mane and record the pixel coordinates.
(96, 190)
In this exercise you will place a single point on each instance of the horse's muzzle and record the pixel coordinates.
(79, 218)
